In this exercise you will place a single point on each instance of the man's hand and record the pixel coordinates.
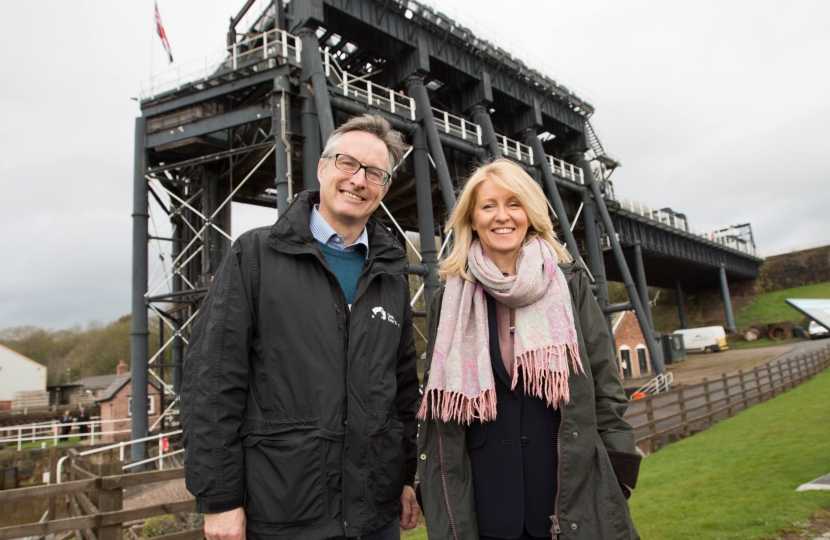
(410, 509)
(228, 525)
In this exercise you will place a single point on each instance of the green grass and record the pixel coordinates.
(738, 478)
(770, 307)
(71, 441)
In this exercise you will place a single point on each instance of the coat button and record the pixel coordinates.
(574, 526)
(423, 457)
(575, 434)
(525, 441)
(345, 523)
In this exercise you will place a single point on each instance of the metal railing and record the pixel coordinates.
(50, 431)
(121, 452)
(373, 94)
(515, 149)
(660, 383)
(673, 220)
(459, 127)
(565, 170)
(271, 44)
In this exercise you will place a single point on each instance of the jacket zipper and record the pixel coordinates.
(556, 530)
(444, 480)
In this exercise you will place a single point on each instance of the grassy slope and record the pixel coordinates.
(770, 307)
(738, 478)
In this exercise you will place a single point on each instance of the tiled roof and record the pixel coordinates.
(118, 382)
(99, 382)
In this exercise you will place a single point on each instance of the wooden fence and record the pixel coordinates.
(94, 496)
(659, 418)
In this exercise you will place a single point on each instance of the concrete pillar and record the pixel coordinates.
(416, 89)
(313, 72)
(727, 301)
(488, 135)
(553, 193)
(139, 333)
(281, 127)
(681, 309)
(654, 350)
(642, 287)
(426, 220)
(311, 139)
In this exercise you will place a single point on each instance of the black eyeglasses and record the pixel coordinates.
(349, 165)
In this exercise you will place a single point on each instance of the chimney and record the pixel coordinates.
(122, 368)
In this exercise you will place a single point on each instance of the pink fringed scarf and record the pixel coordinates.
(461, 386)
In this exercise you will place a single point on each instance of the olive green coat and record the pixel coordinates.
(591, 505)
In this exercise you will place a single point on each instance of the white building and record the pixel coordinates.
(19, 374)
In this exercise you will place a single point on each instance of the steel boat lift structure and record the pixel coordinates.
(247, 125)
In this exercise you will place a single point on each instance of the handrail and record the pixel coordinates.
(270, 44)
(565, 170)
(515, 149)
(375, 95)
(677, 222)
(660, 383)
(50, 431)
(457, 126)
(123, 444)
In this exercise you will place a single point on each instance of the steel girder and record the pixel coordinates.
(456, 60)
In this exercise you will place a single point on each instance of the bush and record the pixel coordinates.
(161, 525)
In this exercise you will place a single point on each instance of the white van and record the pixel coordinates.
(707, 339)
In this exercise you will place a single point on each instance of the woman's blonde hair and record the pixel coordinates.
(505, 174)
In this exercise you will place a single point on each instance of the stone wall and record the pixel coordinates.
(795, 269)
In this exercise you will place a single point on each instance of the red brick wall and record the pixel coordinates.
(117, 408)
(628, 334)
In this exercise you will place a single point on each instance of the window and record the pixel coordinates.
(150, 405)
(642, 359)
(625, 361)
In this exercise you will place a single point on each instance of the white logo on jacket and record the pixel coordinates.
(380, 312)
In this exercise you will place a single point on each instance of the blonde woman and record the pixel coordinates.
(521, 429)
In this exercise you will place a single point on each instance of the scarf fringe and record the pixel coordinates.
(540, 380)
(456, 407)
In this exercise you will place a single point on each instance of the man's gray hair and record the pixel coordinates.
(377, 126)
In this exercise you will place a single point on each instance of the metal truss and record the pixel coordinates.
(247, 125)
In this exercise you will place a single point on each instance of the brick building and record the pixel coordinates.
(115, 403)
(632, 356)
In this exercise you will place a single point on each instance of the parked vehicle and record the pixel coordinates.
(707, 339)
(817, 331)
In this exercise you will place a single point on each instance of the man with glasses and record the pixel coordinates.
(300, 389)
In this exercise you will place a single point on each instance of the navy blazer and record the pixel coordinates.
(514, 457)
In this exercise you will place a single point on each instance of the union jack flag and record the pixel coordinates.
(162, 34)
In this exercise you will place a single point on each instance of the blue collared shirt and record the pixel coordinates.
(323, 233)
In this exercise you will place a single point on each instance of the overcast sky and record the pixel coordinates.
(717, 109)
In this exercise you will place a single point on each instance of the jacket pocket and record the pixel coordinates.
(476, 435)
(391, 463)
(284, 481)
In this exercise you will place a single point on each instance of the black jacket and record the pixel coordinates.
(292, 405)
(513, 457)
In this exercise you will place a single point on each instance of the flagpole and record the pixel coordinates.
(152, 51)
